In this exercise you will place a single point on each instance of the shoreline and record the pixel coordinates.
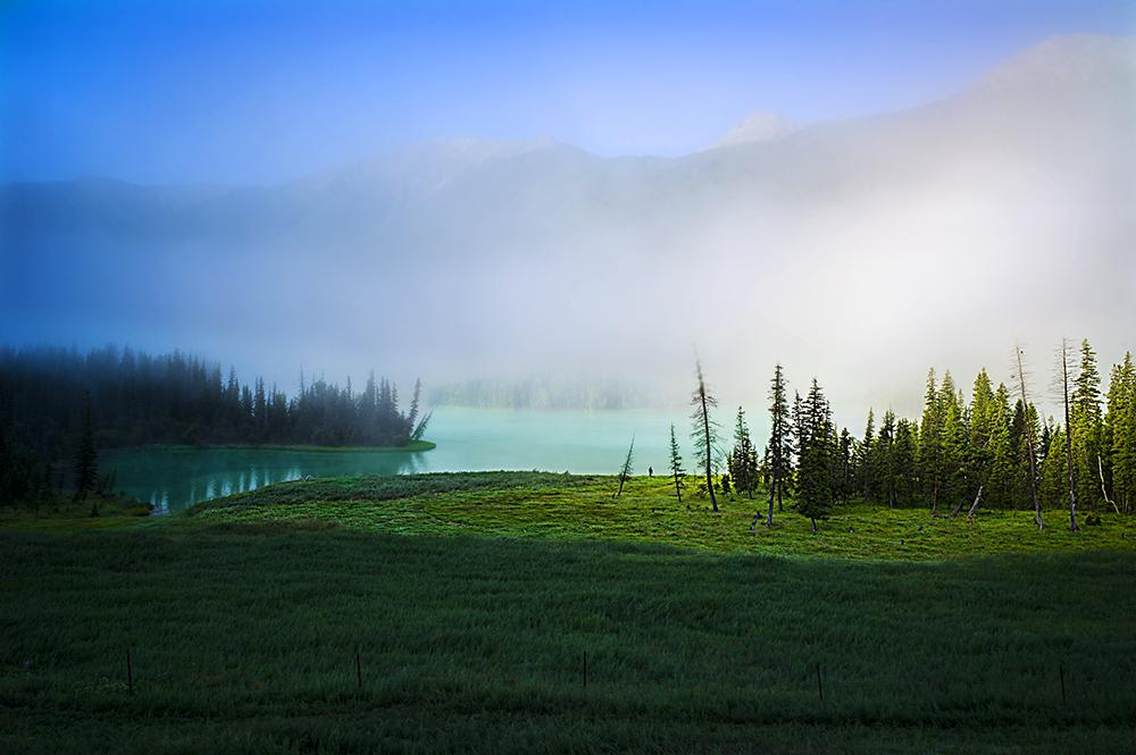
(415, 446)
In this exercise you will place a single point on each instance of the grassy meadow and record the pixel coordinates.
(475, 601)
(575, 507)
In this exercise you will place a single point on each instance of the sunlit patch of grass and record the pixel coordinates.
(552, 506)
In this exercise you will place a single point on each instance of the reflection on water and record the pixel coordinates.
(468, 439)
(176, 478)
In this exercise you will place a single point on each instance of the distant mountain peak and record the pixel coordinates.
(757, 127)
(1067, 59)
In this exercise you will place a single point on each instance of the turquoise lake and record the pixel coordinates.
(468, 439)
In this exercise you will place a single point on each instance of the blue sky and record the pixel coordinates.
(264, 91)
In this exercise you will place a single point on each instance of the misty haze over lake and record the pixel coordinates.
(1008, 202)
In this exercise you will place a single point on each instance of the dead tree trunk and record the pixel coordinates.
(1104, 490)
(774, 485)
(974, 506)
(706, 433)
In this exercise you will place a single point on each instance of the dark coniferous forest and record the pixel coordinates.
(134, 398)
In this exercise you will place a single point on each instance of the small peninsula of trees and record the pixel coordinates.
(51, 398)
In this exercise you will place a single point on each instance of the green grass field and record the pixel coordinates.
(560, 507)
(473, 599)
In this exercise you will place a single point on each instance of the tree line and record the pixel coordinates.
(50, 398)
(995, 450)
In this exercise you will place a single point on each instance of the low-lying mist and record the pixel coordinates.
(861, 252)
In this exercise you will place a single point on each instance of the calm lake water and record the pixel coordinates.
(468, 440)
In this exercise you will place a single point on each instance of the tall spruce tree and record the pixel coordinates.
(1120, 432)
(1085, 427)
(677, 472)
(814, 470)
(797, 415)
(412, 417)
(865, 459)
(953, 442)
(883, 460)
(781, 438)
(1029, 434)
(903, 464)
(984, 421)
(780, 444)
(1054, 470)
(1001, 485)
(1070, 478)
(1125, 444)
(845, 456)
(930, 442)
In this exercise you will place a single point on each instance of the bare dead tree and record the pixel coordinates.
(1024, 393)
(705, 435)
(974, 506)
(1104, 489)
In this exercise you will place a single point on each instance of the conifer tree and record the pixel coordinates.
(814, 483)
(420, 429)
(677, 472)
(1029, 433)
(1125, 445)
(930, 442)
(1068, 437)
(883, 460)
(705, 431)
(1085, 427)
(1001, 478)
(86, 457)
(412, 417)
(780, 444)
(1120, 432)
(742, 462)
(984, 421)
(797, 415)
(1054, 471)
(845, 460)
(626, 469)
(903, 454)
(260, 407)
(865, 460)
